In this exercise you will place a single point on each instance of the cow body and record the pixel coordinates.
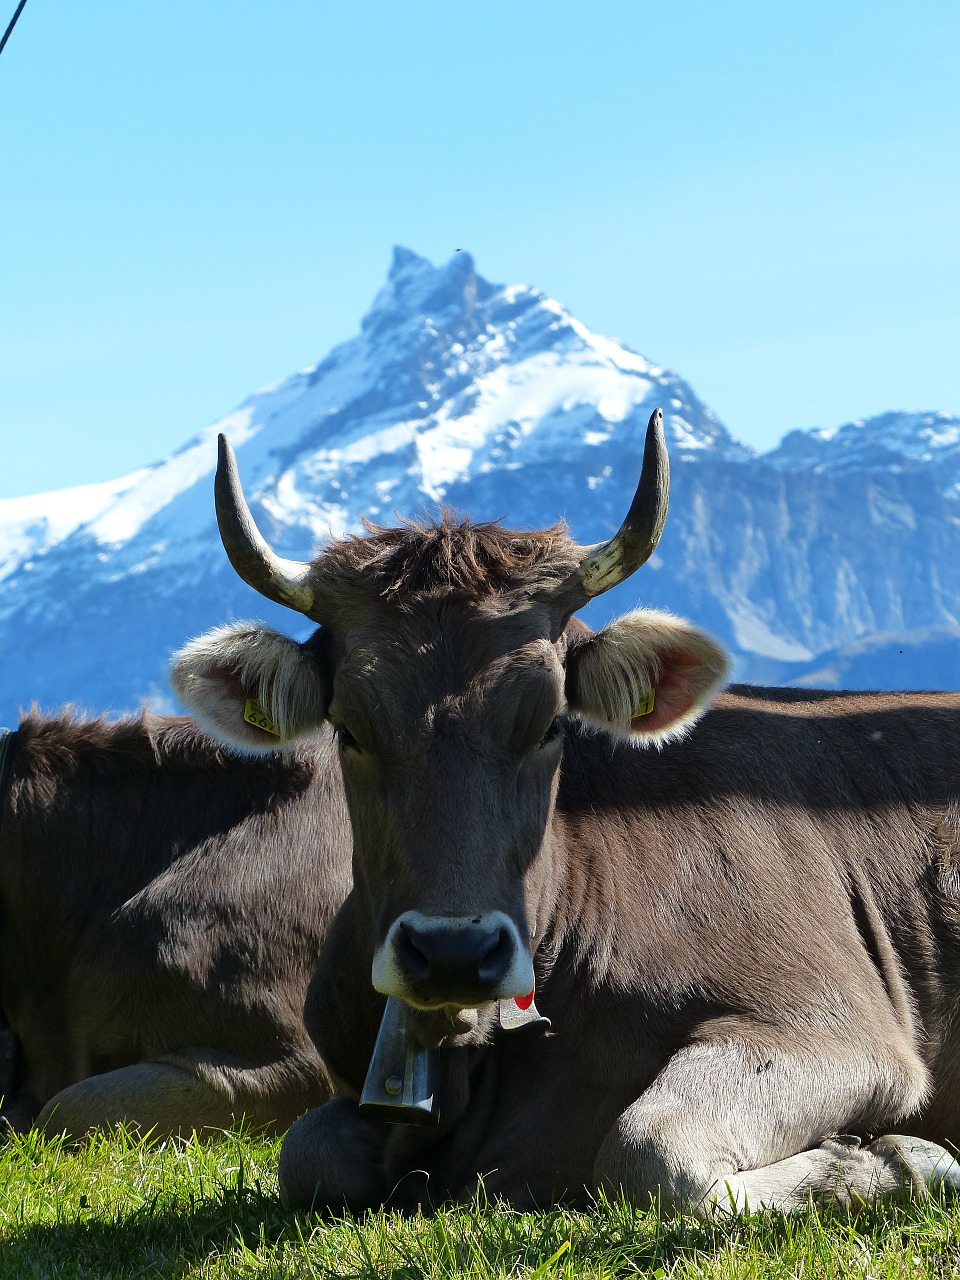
(746, 938)
(162, 902)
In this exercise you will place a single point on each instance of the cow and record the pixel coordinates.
(162, 903)
(745, 935)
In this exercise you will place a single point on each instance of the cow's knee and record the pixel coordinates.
(649, 1157)
(155, 1098)
(332, 1159)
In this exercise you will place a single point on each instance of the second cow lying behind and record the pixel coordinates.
(162, 903)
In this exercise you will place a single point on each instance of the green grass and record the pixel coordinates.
(117, 1208)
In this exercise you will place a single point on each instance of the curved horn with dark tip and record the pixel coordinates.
(285, 581)
(608, 563)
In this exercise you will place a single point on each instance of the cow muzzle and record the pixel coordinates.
(464, 961)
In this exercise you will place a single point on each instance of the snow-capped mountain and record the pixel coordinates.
(495, 400)
(890, 442)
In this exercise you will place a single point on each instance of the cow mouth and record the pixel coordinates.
(430, 1027)
(449, 1004)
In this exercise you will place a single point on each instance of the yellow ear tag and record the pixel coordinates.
(254, 714)
(645, 706)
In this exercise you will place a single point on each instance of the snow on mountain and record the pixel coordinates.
(451, 377)
(495, 400)
(31, 525)
(891, 442)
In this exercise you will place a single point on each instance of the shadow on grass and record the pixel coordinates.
(247, 1233)
(156, 1239)
(252, 1234)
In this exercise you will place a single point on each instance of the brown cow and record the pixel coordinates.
(747, 939)
(162, 902)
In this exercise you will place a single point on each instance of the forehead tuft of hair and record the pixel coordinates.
(450, 554)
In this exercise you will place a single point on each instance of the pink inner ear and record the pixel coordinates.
(675, 692)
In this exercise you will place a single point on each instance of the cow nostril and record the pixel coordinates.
(495, 962)
(413, 960)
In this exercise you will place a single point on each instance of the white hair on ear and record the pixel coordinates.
(218, 671)
(616, 669)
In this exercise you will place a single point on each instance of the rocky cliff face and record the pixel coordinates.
(495, 400)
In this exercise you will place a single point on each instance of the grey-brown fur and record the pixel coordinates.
(449, 554)
(161, 905)
(747, 941)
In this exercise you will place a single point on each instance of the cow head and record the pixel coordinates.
(448, 665)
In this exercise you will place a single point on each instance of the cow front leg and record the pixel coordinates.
(333, 1159)
(839, 1171)
(158, 1098)
(733, 1126)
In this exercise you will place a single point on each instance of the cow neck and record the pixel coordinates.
(8, 748)
(550, 885)
(583, 865)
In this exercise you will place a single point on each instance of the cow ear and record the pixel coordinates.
(252, 687)
(647, 676)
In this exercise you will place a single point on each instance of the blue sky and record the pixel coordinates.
(196, 199)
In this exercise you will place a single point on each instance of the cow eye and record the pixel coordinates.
(552, 733)
(344, 736)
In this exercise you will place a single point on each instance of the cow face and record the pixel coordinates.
(449, 667)
(446, 714)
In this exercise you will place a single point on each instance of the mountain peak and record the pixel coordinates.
(416, 288)
(405, 260)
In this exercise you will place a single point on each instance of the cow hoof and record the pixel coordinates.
(931, 1168)
(331, 1160)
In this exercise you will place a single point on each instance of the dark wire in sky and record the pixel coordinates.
(12, 24)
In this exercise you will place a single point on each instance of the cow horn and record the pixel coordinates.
(285, 581)
(607, 563)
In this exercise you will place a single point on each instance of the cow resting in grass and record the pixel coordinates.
(747, 939)
(162, 902)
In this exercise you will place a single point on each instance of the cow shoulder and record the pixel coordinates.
(251, 686)
(646, 676)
